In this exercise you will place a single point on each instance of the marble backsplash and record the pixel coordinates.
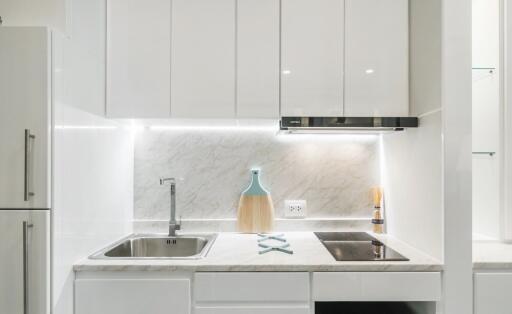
(333, 173)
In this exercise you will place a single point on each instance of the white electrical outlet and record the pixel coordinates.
(295, 208)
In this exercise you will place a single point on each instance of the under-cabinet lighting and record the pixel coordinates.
(214, 128)
(85, 127)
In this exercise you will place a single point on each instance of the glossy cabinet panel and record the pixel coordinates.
(203, 59)
(492, 293)
(132, 296)
(375, 286)
(376, 58)
(25, 104)
(312, 56)
(12, 286)
(138, 58)
(223, 286)
(254, 310)
(257, 59)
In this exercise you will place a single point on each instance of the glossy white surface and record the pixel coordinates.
(312, 57)
(224, 287)
(25, 103)
(507, 126)
(203, 59)
(92, 176)
(412, 171)
(376, 58)
(132, 296)
(138, 58)
(254, 309)
(11, 264)
(492, 293)
(456, 182)
(85, 58)
(486, 121)
(258, 23)
(377, 286)
(425, 56)
(239, 252)
(213, 167)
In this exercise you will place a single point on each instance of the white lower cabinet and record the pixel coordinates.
(253, 310)
(492, 293)
(132, 296)
(377, 286)
(252, 293)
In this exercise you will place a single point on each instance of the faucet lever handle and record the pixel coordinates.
(164, 180)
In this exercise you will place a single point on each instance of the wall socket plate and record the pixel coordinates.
(295, 208)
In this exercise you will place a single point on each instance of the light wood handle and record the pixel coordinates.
(377, 196)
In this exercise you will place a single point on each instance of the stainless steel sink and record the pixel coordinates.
(144, 246)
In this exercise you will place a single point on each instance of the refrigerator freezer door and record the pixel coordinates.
(25, 117)
(24, 261)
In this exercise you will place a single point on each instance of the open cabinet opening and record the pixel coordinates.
(375, 307)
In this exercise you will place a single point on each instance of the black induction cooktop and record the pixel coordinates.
(357, 246)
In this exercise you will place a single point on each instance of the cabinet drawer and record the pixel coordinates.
(132, 296)
(253, 310)
(268, 287)
(492, 293)
(377, 286)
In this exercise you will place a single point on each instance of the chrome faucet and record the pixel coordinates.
(173, 224)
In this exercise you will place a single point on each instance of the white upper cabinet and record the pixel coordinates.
(376, 58)
(25, 117)
(138, 58)
(258, 59)
(203, 59)
(312, 57)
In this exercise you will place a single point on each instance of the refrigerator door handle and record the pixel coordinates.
(26, 226)
(28, 152)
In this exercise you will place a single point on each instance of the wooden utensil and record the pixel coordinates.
(255, 209)
(378, 220)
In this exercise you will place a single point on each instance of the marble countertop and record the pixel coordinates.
(239, 252)
(492, 255)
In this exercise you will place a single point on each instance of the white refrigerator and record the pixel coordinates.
(25, 169)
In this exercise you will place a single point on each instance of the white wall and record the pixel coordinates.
(93, 192)
(412, 160)
(412, 176)
(51, 13)
(92, 158)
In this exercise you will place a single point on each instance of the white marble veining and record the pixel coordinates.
(239, 252)
(492, 255)
(334, 173)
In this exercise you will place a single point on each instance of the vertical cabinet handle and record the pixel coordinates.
(28, 153)
(26, 225)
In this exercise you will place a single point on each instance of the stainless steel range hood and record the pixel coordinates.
(344, 124)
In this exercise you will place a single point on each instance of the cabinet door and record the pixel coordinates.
(12, 284)
(258, 59)
(24, 105)
(492, 293)
(132, 296)
(203, 59)
(376, 58)
(138, 58)
(312, 57)
(277, 309)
